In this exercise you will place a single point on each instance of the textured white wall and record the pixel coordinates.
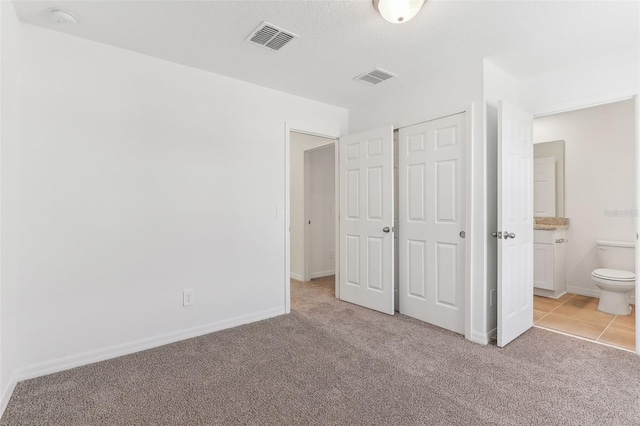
(597, 80)
(300, 142)
(599, 181)
(140, 178)
(322, 211)
(10, 101)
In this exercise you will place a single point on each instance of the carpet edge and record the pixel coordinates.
(90, 357)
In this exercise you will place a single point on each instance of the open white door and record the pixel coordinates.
(515, 222)
(366, 219)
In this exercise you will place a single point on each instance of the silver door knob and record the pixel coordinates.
(495, 234)
(385, 229)
(508, 235)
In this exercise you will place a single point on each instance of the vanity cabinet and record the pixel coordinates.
(549, 248)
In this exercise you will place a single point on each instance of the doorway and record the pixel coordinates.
(312, 206)
(593, 150)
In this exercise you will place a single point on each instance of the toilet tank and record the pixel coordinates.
(616, 255)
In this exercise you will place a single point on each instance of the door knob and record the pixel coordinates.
(508, 235)
(495, 234)
(462, 234)
(385, 229)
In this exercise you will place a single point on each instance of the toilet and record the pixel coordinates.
(616, 277)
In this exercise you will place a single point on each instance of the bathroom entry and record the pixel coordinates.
(594, 153)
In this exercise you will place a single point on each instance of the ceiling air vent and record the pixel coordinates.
(374, 77)
(271, 37)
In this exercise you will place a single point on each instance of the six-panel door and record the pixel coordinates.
(432, 170)
(366, 219)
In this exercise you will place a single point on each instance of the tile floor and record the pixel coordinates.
(579, 315)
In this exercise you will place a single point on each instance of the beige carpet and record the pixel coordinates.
(330, 362)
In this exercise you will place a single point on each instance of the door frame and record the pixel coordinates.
(603, 100)
(313, 130)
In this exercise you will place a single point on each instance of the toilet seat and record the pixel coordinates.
(614, 275)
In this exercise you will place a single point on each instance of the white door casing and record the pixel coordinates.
(366, 209)
(515, 222)
(432, 182)
(544, 186)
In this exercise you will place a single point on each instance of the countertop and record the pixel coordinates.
(550, 223)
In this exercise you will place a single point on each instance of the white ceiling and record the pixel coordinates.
(342, 39)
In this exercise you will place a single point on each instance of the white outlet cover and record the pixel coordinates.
(187, 297)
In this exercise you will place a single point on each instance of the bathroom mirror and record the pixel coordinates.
(548, 179)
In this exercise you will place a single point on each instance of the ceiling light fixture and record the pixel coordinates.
(63, 17)
(398, 11)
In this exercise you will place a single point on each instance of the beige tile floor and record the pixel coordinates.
(579, 316)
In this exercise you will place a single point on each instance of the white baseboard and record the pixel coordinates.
(6, 394)
(481, 338)
(595, 292)
(90, 357)
(322, 274)
(296, 276)
(584, 291)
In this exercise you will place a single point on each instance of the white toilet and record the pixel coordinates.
(616, 278)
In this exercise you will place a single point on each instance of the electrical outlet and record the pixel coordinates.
(187, 297)
(332, 254)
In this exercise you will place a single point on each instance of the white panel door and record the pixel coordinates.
(431, 222)
(515, 222)
(544, 186)
(366, 219)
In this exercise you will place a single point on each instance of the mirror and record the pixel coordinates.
(548, 179)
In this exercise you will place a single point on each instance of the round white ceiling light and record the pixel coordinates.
(63, 17)
(398, 11)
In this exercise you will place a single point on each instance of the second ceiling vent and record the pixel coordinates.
(375, 76)
(271, 37)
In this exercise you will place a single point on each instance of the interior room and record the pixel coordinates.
(579, 142)
(154, 211)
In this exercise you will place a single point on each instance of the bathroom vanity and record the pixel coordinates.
(549, 247)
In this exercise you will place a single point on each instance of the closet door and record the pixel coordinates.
(432, 194)
(366, 219)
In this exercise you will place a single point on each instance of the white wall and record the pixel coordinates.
(322, 199)
(9, 213)
(455, 89)
(299, 143)
(140, 178)
(599, 181)
(588, 83)
(498, 86)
